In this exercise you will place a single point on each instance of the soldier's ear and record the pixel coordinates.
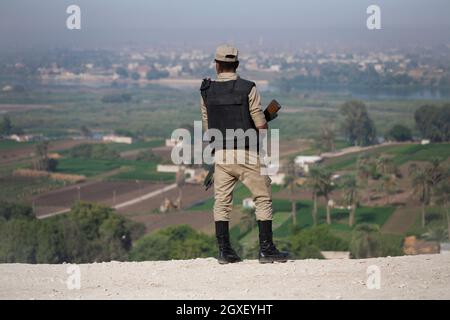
(217, 67)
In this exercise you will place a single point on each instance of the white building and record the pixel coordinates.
(305, 161)
(248, 203)
(118, 139)
(275, 176)
(278, 178)
(445, 247)
(170, 168)
(172, 142)
(332, 255)
(23, 137)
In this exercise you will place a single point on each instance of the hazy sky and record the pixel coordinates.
(202, 22)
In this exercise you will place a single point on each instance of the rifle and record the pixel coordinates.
(270, 113)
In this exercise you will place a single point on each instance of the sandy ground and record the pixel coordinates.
(409, 277)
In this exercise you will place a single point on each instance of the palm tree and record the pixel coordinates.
(290, 182)
(248, 220)
(425, 180)
(313, 181)
(385, 165)
(365, 170)
(180, 180)
(421, 187)
(437, 233)
(326, 187)
(328, 137)
(350, 187)
(41, 151)
(365, 241)
(443, 198)
(321, 184)
(436, 173)
(389, 186)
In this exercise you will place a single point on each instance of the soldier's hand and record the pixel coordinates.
(209, 179)
(208, 183)
(270, 116)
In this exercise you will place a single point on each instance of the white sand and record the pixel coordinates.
(409, 277)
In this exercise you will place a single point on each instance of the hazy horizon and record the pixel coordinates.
(284, 23)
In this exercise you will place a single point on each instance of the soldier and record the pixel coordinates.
(231, 102)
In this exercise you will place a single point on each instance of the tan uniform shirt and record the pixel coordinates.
(254, 102)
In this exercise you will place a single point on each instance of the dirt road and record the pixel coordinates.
(409, 277)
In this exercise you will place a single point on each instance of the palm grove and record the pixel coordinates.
(430, 182)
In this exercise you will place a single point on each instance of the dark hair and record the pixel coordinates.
(228, 66)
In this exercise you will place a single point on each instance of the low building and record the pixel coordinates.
(172, 142)
(248, 203)
(278, 179)
(24, 137)
(445, 247)
(305, 162)
(332, 255)
(168, 168)
(117, 139)
(275, 176)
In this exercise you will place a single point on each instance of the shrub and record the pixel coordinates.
(308, 243)
(10, 211)
(432, 122)
(178, 242)
(89, 233)
(366, 241)
(399, 133)
(116, 98)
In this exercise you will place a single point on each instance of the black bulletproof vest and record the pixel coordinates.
(227, 106)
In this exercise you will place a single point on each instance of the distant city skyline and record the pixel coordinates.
(269, 24)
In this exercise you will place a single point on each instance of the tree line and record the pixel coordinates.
(92, 233)
(431, 121)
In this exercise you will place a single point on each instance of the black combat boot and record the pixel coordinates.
(268, 253)
(226, 253)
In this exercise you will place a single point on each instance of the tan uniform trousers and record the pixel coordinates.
(228, 173)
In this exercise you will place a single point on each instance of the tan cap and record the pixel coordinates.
(226, 53)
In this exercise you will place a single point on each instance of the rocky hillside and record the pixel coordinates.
(409, 277)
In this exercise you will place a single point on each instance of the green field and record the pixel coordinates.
(20, 189)
(87, 167)
(155, 111)
(282, 221)
(373, 215)
(400, 155)
(122, 147)
(142, 170)
(132, 170)
(6, 145)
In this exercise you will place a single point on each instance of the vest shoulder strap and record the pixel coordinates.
(244, 85)
(206, 83)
